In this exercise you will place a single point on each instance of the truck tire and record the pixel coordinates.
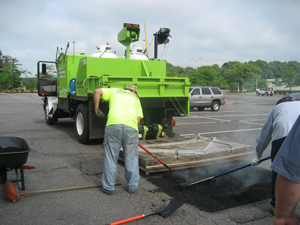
(49, 120)
(200, 108)
(82, 123)
(215, 106)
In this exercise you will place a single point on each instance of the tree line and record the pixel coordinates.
(10, 75)
(9, 72)
(231, 75)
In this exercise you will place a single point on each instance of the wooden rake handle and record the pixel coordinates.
(71, 188)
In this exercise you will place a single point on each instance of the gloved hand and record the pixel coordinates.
(255, 160)
(99, 113)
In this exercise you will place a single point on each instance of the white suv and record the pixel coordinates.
(206, 97)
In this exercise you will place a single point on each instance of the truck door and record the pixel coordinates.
(47, 78)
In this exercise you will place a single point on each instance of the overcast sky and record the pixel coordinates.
(218, 31)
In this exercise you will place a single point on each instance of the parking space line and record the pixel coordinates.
(178, 124)
(264, 114)
(226, 131)
(261, 124)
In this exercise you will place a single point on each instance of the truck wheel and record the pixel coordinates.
(200, 108)
(215, 106)
(49, 120)
(82, 124)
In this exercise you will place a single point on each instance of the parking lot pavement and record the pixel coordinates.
(62, 162)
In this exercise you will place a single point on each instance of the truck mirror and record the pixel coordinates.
(44, 70)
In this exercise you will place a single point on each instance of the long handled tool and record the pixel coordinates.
(169, 207)
(189, 183)
(9, 191)
(178, 175)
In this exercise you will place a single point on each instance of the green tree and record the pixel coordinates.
(289, 77)
(32, 86)
(207, 76)
(1, 61)
(217, 68)
(265, 69)
(277, 69)
(9, 72)
(27, 85)
(236, 73)
(294, 66)
(171, 70)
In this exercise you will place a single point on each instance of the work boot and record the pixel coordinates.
(273, 210)
(131, 191)
(106, 192)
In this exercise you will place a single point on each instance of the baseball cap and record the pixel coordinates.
(132, 87)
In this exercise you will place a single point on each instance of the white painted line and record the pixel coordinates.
(261, 124)
(265, 114)
(180, 124)
(226, 131)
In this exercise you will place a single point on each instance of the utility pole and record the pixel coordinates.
(196, 62)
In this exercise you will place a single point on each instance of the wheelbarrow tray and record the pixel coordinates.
(13, 151)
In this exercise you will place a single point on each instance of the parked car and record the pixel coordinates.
(206, 97)
(293, 97)
(268, 91)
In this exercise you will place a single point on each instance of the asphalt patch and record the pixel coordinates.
(249, 185)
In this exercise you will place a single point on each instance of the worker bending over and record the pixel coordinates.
(121, 129)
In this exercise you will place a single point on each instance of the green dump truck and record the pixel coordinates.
(68, 93)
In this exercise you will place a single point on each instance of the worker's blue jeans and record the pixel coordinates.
(116, 136)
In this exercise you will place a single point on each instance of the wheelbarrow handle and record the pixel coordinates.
(27, 167)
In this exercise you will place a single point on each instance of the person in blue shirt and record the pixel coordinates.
(287, 165)
(275, 129)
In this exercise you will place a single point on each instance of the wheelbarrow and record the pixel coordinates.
(13, 155)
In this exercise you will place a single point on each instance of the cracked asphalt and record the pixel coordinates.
(62, 162)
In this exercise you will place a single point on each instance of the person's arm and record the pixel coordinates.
(139, 113)
(97, 95)
(139, 120)
(265, 135)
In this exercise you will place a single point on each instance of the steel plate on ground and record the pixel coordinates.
(188, 153)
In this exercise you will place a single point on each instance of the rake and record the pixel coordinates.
(164, 164)
(190, 183)
(9, 191)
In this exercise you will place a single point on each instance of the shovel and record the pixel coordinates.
(169, 207)
(177, 175)
(189, 183)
